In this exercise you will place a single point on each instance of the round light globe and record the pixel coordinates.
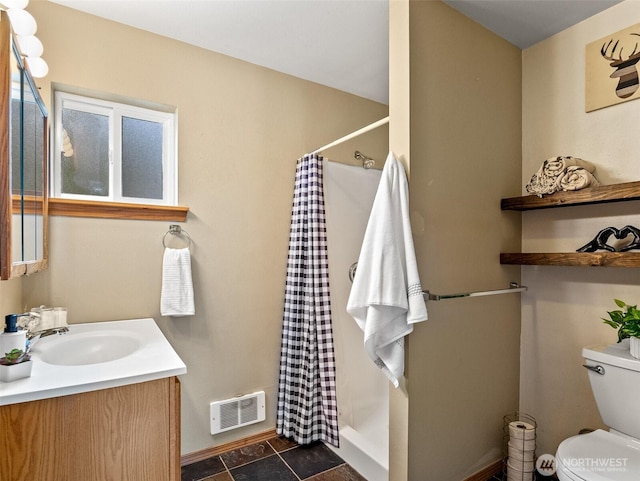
(22, 22)
(30, 45)
(37, 66)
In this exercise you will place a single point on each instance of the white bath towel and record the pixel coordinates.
(176, 298)
(386, 296)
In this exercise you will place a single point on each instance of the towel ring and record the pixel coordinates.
(176, 230)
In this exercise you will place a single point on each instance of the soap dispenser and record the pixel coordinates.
(12, 337)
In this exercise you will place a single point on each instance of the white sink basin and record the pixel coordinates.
(87, 347)
(93, 356)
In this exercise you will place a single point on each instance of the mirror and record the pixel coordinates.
(23, 165)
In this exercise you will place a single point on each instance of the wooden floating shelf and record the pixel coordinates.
(588, 259)
(595, 195)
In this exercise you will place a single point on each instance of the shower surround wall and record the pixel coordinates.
(363, 390)
(241, 129)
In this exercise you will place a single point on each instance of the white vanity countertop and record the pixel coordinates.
(152, 358)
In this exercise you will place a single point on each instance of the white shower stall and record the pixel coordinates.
(362, 389)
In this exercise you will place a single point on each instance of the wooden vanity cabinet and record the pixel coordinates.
(127, 433)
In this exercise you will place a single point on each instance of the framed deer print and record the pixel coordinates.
(611, 69)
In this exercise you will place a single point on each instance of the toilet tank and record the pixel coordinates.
(617, 388)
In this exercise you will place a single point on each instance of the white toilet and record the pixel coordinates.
(612, 455)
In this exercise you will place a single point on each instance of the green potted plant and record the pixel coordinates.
(15, 364)
(627, 322)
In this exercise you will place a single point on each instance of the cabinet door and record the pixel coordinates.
(128, 433)
(32, 441)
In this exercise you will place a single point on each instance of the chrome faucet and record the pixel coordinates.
(46, 332)
(32, 322)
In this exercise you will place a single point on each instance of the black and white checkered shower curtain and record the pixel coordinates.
(307, 407)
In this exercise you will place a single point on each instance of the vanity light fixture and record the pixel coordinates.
(25, 26)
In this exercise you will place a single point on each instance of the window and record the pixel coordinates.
(113, 152)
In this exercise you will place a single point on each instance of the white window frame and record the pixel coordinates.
(115, 111)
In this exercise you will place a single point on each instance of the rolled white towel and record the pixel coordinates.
(576, 178)
(540, 184)
(555, 166)
(546, 180)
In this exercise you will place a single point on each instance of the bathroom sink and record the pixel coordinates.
(87, 347)
(93, 356)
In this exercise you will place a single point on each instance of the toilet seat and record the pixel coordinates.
(599, 456)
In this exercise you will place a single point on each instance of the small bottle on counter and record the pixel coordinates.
(12, 337)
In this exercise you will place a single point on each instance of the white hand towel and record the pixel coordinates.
(386, 296)
(176, 298)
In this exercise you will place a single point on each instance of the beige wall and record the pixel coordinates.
(465, 125)
(400, 143)
(241, 129)
(10, 299)
(562, 310)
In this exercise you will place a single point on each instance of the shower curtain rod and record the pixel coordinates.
(513, 287)
(353, 135)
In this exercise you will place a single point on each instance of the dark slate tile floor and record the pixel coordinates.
(279, 459)
(276, 459)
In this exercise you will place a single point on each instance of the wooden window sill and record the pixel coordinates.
(116, 210)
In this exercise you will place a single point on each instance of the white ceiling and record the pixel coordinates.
(527, 22)
(339, 43)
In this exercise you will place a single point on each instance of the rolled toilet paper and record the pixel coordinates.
(520, 469)
(523, 444)
(521, 430)
(520, 465)
(516, 453)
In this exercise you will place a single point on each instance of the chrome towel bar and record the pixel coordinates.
(513, 287)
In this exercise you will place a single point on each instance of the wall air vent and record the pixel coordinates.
(237, 412)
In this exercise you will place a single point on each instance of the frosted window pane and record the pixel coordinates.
(141, 158)
(85, 159)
